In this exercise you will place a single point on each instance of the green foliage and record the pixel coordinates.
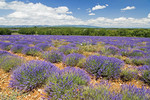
(99, 93)
(146, 76)
(85, 31)
(5, 31)
(78, 31)
(81, 62)
(138, 62)
(128, 75)
(9, 62)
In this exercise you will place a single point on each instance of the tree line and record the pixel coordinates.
(5, 31)
(128, 32)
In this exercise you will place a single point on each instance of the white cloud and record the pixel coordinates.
(78, 8)
(91, 13)
(149, 15)
(2, 4)
(37, 14)
(63, 9)
(119, 22)
(97, 7)
(128, 8)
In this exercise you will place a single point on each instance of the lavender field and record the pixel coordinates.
(51, 67)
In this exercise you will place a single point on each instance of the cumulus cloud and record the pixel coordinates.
(36, 14)
(97, 7)
(149, 15)
(119, 22)
(39, 14)
(91, 14)
(2, 3)
(128, 8)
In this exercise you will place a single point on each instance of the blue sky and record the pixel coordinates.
(102, 13)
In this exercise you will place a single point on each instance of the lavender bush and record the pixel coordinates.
(145, 73)
(146, 76)
(138, 53)
(108, 67)
(31, 75)
(125, 52)
(33, 51)
(129, 92)
(67, 49)
(43, 46)
(111, 50)
(17, 48)
(140, 60)
(53, 56)
(72, 59)
(9, 62)
(4, 53)
(128, 75)
(6, 46)
(63, 85)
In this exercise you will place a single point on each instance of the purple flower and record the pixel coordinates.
(66, 49)
(17, 48)
(6, 46)
(32, 74)
(72, 59)
(33, 51)
(104, 66)
(43, 46)
(53, 56)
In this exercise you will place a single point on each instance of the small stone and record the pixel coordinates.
(39, 90)
(35, 96)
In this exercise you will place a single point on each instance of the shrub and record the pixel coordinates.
(145, 67)
(103, 66)
(23, 42)
(72, 59)
(112, 50)
(43, 46)
(127, 92)
(67, 49)
(99, 92)
(33, 51)
(132, 53)
(31, 75)
(6, 46)
(128, 75)
(125, 52)
(64, 84)
(128, 61)
(138, 53)
(4, 53)
(131, 92)
(146, 76)
(8, 62)
(53, 56)
(81, 63)
(17, 48)
(138, 61)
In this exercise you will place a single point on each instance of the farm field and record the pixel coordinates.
(53, 67)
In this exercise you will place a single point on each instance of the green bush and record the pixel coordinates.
(128, 75)
(7, 62)
(146, 76)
